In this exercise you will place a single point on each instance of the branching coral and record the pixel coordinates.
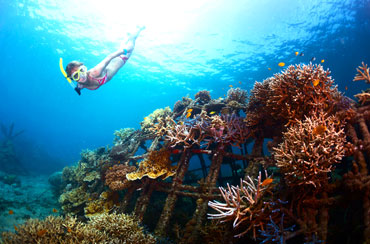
(203, 130)
(309, 150)
(238, 95)
(106, 228)
(156, 164)
(297, 91)
(244, 204)
(362, 73)
(154, 117)
(115, 177)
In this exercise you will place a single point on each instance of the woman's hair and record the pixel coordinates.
(72, 65)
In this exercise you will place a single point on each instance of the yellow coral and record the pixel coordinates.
(157, 164)
(154, 118)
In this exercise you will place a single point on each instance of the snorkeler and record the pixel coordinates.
(103, 72)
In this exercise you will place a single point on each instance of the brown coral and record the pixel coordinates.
(203, 97)
(156, 164)
(115, 177)
(290, 95)
(362, 73)
(310, 149)
(106, 228)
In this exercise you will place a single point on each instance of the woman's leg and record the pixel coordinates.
(128, 45)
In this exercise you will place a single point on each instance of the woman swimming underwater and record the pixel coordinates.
(103, 72)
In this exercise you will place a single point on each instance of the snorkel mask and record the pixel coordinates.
(80, 73)
(77, 89)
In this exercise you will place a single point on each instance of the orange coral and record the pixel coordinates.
(156, 164)
(306, 156)
(115, 177)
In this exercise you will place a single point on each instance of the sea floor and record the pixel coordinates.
(29, 197)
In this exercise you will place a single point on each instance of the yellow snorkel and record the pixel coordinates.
(78, 90)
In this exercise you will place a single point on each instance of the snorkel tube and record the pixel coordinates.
(78, 90)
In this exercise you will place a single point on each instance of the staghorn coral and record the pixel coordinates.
(154, 117)
(244, 204)
(297, 91)
(309, 150)
(362, 73)
(156, 164)
(180, 106)
(203, 130)
(115, 177)
(106, 228)
(73, 201)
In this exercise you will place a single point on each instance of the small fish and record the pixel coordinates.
(145, 118)
(267, 181)
(89, 199)
(296, 53)
(55, 211)
(15, 228)
(281, 64)
(240, 82)
(189, 110)
(313, 59)
(188, 115)
(110, 168)
(11, 212)
(319, 130)
(346, 88)
(315, 82)
(176, 151)
(269, 68)
(41, 233)
(301, 54)
(220, 98)
(212, 112)
(322, 60)
(69, 230)
(230, 85)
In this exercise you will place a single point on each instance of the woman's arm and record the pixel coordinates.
(98, 69)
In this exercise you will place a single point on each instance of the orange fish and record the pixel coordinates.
(16, 228)
(296, 53)
(188, 115)
(240, 82)
(55, 211)
(319, 130)
(269, 68)
(316, 82)
(281, 64)
(346, 88)
(41, 233)
(189, 110)
(267, 181)
(11, 212)
(69, 230)
(230, 85)
(322, 60)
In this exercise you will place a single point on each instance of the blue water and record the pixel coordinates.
(187, 46)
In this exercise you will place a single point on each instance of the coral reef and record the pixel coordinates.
(319, 145)
(105, 228)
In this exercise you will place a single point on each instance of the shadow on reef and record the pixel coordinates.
(9, 162)
(309, 184)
